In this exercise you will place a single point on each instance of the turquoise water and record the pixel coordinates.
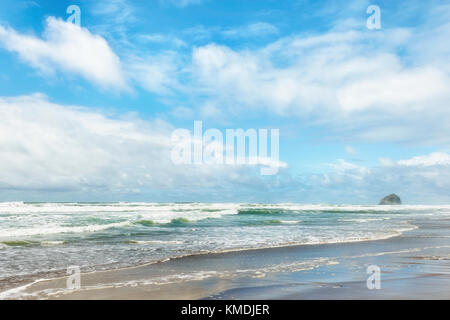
(36, 238)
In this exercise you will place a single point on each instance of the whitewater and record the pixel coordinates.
(38, 239)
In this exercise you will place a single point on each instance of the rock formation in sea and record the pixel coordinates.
(391, 199)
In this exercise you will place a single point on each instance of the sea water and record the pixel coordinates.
(43, 238)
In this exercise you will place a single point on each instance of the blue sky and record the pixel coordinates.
(88, 111)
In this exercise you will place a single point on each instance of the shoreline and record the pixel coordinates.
(317, 271)
(61, 274)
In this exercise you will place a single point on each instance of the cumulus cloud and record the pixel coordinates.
(370, 86)
(51, 148)
(67, 47)
(54, 148)
(71, 147)
(349, 80)
(334, 72)
(390, 86)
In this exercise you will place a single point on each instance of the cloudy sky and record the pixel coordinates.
(87, 112)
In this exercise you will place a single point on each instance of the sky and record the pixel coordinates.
(87, 111)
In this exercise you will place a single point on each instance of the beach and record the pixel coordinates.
(413, 265)
(224, 150)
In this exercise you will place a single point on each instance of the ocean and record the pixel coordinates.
(41, 239)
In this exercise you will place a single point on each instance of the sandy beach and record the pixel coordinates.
(415, 265)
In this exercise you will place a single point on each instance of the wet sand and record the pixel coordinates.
(415, 265)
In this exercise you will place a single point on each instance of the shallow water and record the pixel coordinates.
(36, 238)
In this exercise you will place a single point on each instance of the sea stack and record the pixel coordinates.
(391, 199)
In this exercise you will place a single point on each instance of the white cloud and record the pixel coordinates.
(53, 148)
(352, 81)
(71, 148)
(201, 32)
(158, 73)
(344, 167)
(335, 72)
(162, 39)
(398, 89)
(420, 179)
(69, 48)
(433, 159)
(210, 110)
(370, 86)
(120, 11)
